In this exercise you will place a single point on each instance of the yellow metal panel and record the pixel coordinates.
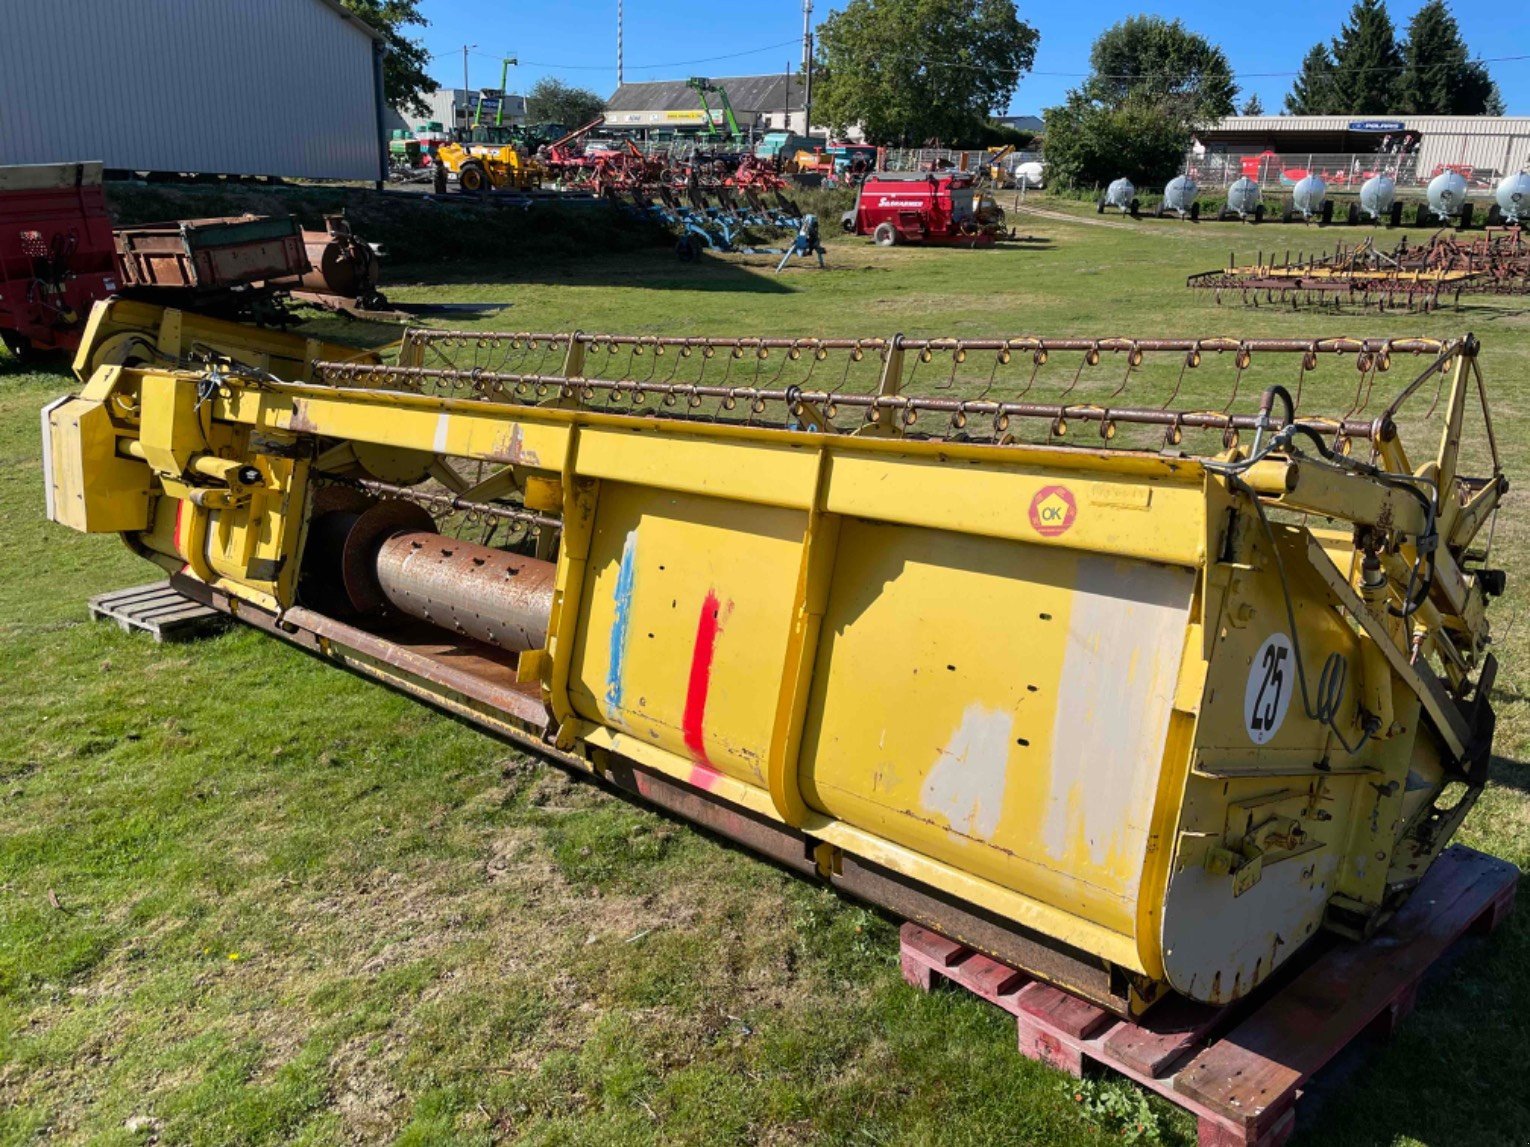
(688, 605)
(780, 473)
(999, 707)
(90, 488)
(485, 432)
(1159, 522)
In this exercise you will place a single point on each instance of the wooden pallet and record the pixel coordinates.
(157, 609)
(1241, 1070)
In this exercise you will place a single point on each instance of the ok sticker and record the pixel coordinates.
(1268, 693)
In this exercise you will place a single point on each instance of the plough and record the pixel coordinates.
(1415, 277)
(1030, 640)
(702, 224)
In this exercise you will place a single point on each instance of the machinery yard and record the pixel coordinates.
(248, 897)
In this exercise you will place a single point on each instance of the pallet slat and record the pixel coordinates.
(1327, 1005)
(1243, 1085)
(159, 610)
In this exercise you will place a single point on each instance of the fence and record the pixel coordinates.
(1341, 171)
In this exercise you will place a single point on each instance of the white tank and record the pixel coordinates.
(1309, 194)
(1513, 197)
(1447, 194)
(1243, 196)
(1377, 194)
(1119, 194)
(1180, 193)
(1029, 175)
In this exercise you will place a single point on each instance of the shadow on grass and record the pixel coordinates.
(652, 270)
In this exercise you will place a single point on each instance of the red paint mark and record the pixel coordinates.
(180, 511)
(1053, 510)
(704, 777)
(707, 628)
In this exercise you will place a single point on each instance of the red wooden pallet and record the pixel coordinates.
(1240, 1070)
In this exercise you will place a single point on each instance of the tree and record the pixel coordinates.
(1366, 62)
(1148, 57)
(404, 77)
(552, 101)
(1251, 106)
(1313, 91)
(1089, 144)
(1438, 77)
(912, 70)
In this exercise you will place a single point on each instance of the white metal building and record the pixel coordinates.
(454, 107)
(1488, 143)
(228, 87)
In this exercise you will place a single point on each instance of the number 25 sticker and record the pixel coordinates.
(1268, 694)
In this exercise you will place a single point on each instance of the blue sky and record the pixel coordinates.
(667, 39)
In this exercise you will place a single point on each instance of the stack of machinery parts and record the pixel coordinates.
(1413, 276)
(59, 254)
(1033, 641)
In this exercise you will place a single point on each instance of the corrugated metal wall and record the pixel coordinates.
(235, 87)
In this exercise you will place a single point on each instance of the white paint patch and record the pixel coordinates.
(1126, 635)
(443, 428)
(1267, 695)
(966, 784)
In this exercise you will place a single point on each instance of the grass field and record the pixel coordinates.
(246, 898)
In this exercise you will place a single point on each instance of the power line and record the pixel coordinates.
(646, 67)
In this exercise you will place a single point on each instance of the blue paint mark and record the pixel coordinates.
(623, 598)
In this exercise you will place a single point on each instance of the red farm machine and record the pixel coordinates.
(56, 254)
(925, 207)
(59, 254)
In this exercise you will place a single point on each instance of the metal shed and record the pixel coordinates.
(1493, 143)
(226, 87)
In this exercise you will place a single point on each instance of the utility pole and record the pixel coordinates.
(466, 98)
(618, 43)
(807, 67)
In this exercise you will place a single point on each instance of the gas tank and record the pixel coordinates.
(1377, 194)
(1447, 194)
(1513, 196)
(1180, 193)
(1308, 195)
(1119, 193)
(1243, 196)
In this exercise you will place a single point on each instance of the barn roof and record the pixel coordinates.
(748, 94)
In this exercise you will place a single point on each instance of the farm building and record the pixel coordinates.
(218, 87)
(760, 103)
(455, 107)
(1487, 144)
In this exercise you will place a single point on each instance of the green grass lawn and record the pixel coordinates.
(247, 898)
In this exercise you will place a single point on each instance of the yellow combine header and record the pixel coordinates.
(1137, 698)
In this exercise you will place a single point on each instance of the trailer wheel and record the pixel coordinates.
(1099, 207)
(1395, 216)
(1494, 215)
(1259, 213)
(1135, 207)
(473, 178)
(886, 235)
(1195, 211)
(1467, 210)
(1288, 216)
(1354, 214)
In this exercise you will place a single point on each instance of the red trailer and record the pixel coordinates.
(932, 207)
(56, 254)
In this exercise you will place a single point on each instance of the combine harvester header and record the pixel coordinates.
(1137, 697)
